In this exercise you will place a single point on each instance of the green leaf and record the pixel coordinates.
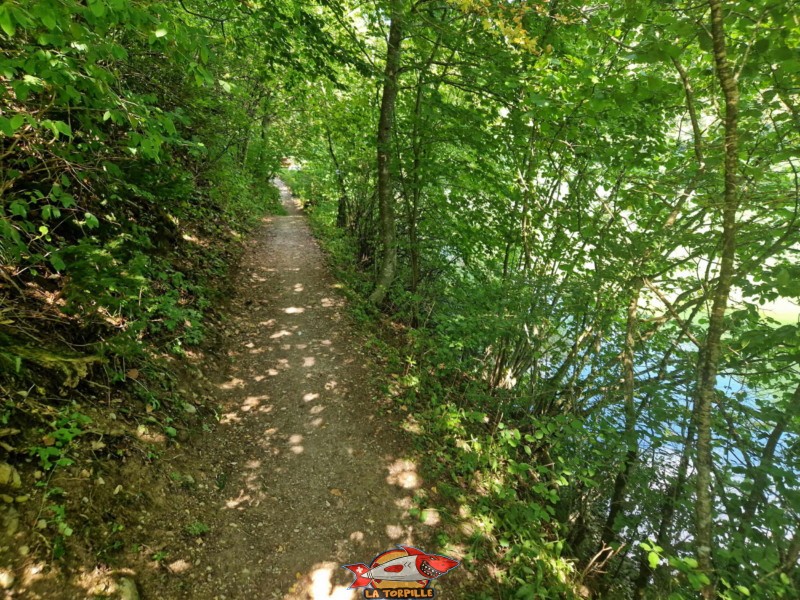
(63, 128)
(97, 7)
(47, 17)
(159, 33)
(10, 126)
(743, 590)
(170, 126)
(91, 221)
(5, 21)
(653, 559)
(21, 90)
(57, 262)
(19, 208)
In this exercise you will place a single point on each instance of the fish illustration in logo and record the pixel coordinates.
(411, 566)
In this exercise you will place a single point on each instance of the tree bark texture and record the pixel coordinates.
(631, 439)
(710, 354)
(385, 183)
(341, 208)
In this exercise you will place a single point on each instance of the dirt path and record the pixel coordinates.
(301, 475)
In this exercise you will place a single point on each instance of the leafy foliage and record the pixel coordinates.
(117, 175)
(558, 177)
(591, 224)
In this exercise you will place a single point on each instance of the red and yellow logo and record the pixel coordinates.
(404, 572)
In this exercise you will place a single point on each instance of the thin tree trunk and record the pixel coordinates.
(630, 437)
(526, 187)
(690, 105)
(760, 474)
(245, 149)
(341, 208)
(671, 498)
(416, 185)
(667, 514)
(385, 187)
(265, 120)
(244, 146)
(710, 354)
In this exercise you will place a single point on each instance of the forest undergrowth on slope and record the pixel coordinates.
(134, 161)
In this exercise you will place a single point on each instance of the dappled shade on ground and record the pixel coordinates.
(302, 474)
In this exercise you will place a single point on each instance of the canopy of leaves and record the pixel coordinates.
(558, 177)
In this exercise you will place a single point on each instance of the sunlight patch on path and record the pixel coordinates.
(319, 585)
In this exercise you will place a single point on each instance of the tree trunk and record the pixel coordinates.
(709, 361)
(341, 208)
(265, 120)
(667, 514)
(631, 439)
(244, 148)
(385, 187)
(760, 474)
(416, 192)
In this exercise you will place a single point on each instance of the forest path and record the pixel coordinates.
(301, 476)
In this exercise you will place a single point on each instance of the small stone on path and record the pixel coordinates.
(6, 579)
(126, 588)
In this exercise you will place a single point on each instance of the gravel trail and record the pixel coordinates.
(302, 474)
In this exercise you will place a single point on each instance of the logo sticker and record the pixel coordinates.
(404, 572)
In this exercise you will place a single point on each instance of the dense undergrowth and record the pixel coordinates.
(127, 185)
